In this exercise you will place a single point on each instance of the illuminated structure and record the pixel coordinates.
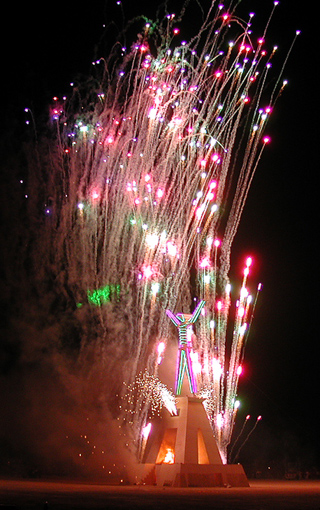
(181, 451)
(184, 324)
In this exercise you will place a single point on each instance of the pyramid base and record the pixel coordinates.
(191, 475)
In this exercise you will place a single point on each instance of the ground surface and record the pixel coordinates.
(261, 495)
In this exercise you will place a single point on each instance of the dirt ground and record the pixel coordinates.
(261, 495)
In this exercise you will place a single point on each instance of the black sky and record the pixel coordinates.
(47, 49)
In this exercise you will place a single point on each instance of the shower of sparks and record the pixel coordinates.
(144, 399)
(148, 184)
(147, 387)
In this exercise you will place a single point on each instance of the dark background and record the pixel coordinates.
(45, 48)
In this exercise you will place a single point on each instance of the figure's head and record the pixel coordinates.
(184, 317)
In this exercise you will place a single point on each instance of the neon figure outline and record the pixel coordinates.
(182, 321)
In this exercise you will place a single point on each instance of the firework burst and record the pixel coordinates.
(147, 183)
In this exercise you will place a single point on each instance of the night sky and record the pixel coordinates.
(47, 49)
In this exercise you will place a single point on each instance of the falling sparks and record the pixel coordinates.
(147, 387)
(222, 361)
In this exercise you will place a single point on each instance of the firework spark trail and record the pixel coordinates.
(239, 435)
(146, 179)
(247, 437)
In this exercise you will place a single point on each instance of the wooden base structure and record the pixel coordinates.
(181, 451)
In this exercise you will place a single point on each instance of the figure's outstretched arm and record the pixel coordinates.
(174, 319)
(196, 312)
